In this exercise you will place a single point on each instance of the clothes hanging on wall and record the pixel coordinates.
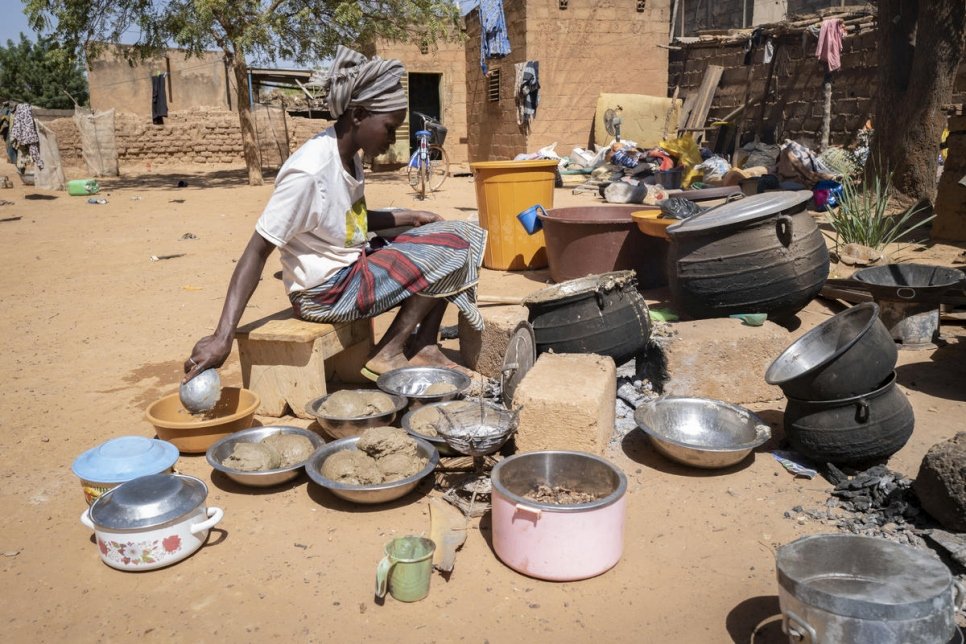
(159, 99)
(24, 137)
(829, 47)
(528, 92)
(494, 42)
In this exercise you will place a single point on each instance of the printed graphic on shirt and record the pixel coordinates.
(356, 224)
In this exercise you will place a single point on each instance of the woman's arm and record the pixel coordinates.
(212, 351)
(383, 219)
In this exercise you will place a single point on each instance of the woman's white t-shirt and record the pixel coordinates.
(316, 215)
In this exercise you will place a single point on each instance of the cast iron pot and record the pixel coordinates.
(760, 254)
(602, 314)
(851, 431)
(849, 354)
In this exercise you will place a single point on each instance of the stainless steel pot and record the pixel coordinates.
(151, 521)
(838, 589)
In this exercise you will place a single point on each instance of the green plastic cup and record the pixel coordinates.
(406, 569)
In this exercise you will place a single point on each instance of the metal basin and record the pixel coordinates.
(218, 452)
(344, 427)
(701, 432)
(412, 383)
(849, 354)
(369, 494)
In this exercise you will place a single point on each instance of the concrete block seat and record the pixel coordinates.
(287, 361)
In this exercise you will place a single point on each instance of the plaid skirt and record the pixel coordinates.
(441, 259)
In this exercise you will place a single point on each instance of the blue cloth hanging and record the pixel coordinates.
(494, 42)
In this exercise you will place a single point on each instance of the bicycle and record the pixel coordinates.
(429, 165)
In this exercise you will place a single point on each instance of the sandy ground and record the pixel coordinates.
(93, 331)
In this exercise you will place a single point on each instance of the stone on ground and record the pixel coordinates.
(941, 483)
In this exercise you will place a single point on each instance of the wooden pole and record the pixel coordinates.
(826, 110)
(764, 97)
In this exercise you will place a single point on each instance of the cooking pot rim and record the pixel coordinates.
(712, 221)
(582, 287)
(854, 310)
(881, 390)
(797, 582)
(597, 504)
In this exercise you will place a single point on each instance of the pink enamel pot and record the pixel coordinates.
(558, 542)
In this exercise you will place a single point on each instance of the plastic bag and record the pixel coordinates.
(687, 153)
(713, 169)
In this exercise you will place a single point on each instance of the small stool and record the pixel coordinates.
(286, 361)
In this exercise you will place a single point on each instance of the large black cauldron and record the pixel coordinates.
(602, 314)
(761, 254)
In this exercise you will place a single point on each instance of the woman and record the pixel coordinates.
(317, 218)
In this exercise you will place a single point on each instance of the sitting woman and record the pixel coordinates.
(317, 218)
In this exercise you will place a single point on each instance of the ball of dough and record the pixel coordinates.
(293, 448)
(351, 467)
(252, 457)
(379, 441)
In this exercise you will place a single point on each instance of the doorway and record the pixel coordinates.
(424, 98)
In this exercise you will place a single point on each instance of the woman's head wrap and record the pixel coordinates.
(372, 83)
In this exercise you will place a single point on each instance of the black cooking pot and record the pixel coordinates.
(602, 314)
(760, 254)
(849, 354)
(851, 431)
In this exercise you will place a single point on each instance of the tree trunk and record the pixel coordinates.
(920, 46)
(247, 120)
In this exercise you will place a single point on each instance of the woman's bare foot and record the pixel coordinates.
(380, 363)
(433, 356)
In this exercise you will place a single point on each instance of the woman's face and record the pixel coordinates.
(376, 131)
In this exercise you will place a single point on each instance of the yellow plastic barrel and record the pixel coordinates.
(503, 190)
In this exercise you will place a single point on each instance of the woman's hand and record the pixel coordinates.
(420, 217)
(209, 353)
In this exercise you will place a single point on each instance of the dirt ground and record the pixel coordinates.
(93, 331)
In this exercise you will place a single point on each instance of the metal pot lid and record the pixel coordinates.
(742, 211)
(148, 502)
(124, 458)
(581, 287)
(864, 577)
(521, 353)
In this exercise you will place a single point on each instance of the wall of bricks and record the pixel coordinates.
(190, 137)
(700, 15)
(794, 107)
(589, 48)
(448, 60)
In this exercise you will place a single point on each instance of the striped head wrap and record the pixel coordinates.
(372, 83)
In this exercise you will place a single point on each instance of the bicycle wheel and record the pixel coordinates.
(438, 167)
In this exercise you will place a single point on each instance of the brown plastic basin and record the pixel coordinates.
(589, 240)
(193, 434)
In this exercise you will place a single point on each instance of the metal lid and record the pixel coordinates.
(148, 502)
(742, 211)
(864, 577)
(125, 458)
(521, 353)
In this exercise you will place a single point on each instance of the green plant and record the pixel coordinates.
(862, 215)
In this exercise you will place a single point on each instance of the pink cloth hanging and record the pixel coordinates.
(830, 43)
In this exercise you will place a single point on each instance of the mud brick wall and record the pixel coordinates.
(448, 59)
(726, 14)
(589, 48)
(192, 137)
(794, 107)
(950, 221)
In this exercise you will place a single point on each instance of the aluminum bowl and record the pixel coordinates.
(412, 381)
(436, 441)
(346, 427)
(219, 451)
(701, 432)
(369, 494)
